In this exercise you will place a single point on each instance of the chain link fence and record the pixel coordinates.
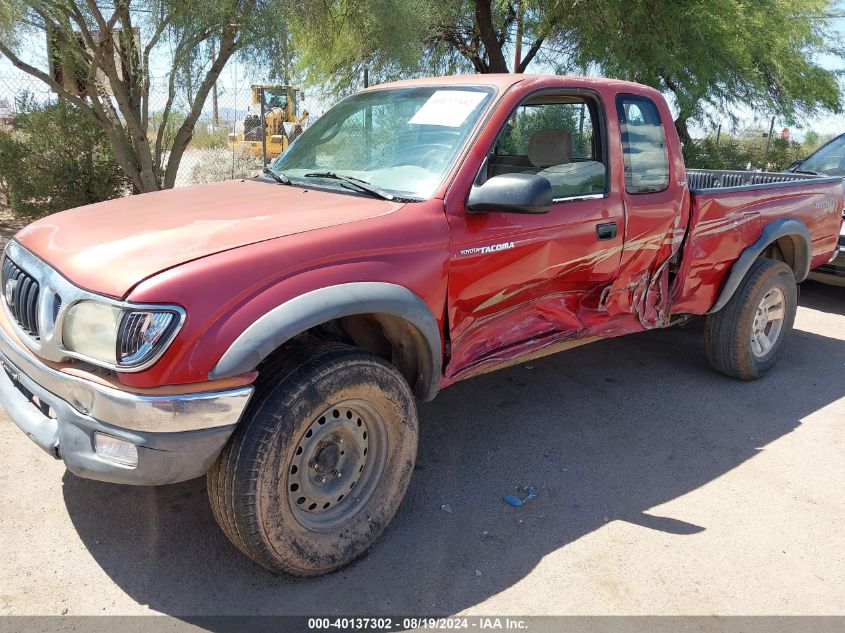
(216, 151)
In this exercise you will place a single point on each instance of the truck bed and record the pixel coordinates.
(709, 179)
(728, 212)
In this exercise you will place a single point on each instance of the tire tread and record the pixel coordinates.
(233, 480)
(726, 346)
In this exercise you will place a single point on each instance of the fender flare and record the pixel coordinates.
(784, 227)
(318, 306)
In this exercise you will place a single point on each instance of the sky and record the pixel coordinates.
(234, 88)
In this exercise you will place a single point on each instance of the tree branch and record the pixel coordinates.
(40, 74)
(228, 46)
(531, 54)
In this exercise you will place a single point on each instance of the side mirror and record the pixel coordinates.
(511, 193)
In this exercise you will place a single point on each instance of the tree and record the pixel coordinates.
(103, 50)
(338, 38)
(714, 54)
(711, 55)
(277, 57)
(10, 13)
(483, 30)
(54, 158)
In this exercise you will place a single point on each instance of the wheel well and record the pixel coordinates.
(791, 250)
(386, 335)
(786, 240)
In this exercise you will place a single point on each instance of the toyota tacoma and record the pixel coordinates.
(275, 333)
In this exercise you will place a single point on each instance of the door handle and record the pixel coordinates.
(606, 231)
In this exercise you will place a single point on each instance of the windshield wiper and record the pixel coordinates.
(278, 176)
(363, 185)
(806, 171)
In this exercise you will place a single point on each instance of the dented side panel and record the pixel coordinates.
(523, 285)
(725, 223)
(547, 282)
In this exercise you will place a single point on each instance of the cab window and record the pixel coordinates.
(556, 136)
(644, 151)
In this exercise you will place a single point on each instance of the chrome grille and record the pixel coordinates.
(20, 292)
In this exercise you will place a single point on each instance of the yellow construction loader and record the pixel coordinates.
(277, 103)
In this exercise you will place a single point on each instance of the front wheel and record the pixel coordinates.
(321, 462)
(744, 337)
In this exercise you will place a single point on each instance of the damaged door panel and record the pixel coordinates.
(657, 211)
(520, 282)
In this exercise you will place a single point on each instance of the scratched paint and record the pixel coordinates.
(725, 223)
(559, 284)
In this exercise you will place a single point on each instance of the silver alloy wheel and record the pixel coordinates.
(768, 322)
(337, 465)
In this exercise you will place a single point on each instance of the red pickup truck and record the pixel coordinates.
(274, 332)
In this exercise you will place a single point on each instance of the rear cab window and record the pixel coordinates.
(556, 135)
(644, 151)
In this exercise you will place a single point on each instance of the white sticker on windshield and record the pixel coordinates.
(449, 108)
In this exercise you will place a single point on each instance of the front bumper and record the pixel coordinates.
(177, 437)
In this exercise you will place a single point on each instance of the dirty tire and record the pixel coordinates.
(249, 486)
(728, 332)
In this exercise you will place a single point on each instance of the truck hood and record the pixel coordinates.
(111, 246)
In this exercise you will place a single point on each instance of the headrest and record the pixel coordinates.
(550, 147)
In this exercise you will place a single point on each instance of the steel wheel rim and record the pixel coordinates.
(768, 322)
(337, 465)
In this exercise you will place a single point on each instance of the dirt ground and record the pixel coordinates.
(664, 488)
(9, 224)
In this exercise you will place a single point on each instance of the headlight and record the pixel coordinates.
(90, 328)
(119, 337)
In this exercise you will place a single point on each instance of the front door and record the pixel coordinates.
(520, 283)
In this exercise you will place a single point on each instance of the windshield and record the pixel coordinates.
(829, 160)
(401, 140)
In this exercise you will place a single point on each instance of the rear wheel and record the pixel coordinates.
(744, 337)
(318, 467)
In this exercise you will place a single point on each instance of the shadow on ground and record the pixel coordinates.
(823, 298)
(605, 432)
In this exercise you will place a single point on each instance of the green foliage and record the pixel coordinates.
(165, 126)
(10, 12)
(207, 137)
(275, 52)
(710, 54)
(713, 54)
(530, 119)
(337, 39)
(56, 158)
(748, 150)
